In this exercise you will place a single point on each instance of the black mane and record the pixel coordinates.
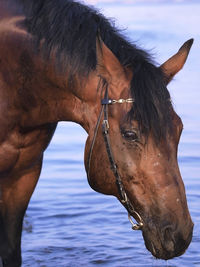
(71, 28)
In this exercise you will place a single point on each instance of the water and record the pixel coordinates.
(67, 224)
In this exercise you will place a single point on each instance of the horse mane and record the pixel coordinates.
(70, 28)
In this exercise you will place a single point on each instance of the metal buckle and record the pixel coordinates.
(105, 126)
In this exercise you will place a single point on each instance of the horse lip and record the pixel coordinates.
(153, 248)
(162, 253)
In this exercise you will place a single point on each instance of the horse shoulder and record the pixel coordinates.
(21, 149)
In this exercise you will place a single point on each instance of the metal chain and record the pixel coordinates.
(121, 101)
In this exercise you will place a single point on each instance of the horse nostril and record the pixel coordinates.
(168, 237)
(167, 233)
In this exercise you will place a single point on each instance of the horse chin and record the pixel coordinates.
(166, 249)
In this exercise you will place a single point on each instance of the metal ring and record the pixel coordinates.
(136, 226)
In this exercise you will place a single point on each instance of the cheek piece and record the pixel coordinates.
(105, 131)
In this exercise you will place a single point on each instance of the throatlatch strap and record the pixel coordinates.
(92, 145)
(105, 129)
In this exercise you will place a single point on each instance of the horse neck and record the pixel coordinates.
(56, 98)
(42, 94)
(81, 101)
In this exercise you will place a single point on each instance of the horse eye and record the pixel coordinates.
(130, 135)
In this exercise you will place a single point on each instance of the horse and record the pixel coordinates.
(64, 61)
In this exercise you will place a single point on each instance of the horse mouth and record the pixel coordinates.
(167, 249)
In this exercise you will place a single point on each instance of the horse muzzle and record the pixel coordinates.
(169, 241)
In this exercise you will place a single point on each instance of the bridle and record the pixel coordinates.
(105, 131)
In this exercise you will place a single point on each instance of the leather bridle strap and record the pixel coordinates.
(105, 130)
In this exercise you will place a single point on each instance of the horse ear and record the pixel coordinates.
(108, 66)
(176, 62)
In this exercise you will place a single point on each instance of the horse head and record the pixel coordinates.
(143, 131)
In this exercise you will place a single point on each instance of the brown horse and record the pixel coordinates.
(54, 67)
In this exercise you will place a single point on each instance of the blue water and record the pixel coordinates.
(67, 224)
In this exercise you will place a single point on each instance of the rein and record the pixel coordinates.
(105, 131)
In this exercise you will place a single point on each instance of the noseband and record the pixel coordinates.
(105, 131)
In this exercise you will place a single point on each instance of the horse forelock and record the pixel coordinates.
(152, 107)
